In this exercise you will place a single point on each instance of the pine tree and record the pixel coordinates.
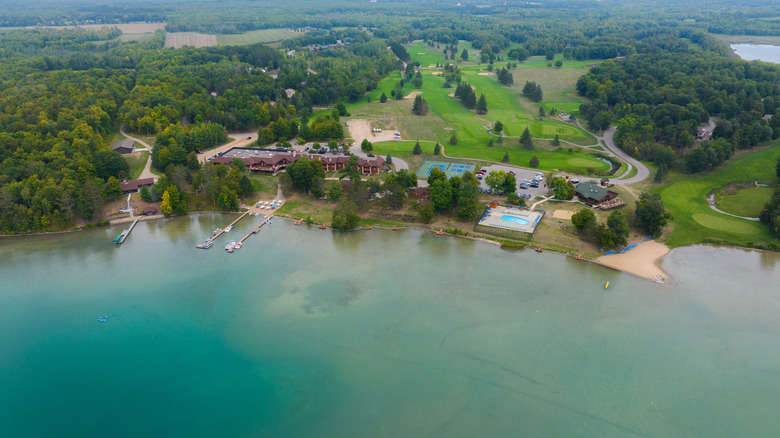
(420, 106)
(534, 162)
(464, 55)
(454, 139)
(417, 149)
(383, 97)
(525, 140)
(556, 141)
(506, 158)
(490, 143)
(389, 159)
(437, 149)
(482, 105)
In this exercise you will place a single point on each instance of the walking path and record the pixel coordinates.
(711, 201)
(147, 172)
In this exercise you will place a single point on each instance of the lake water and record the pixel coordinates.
(764, 52)
(303, 332)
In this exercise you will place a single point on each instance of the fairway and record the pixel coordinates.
(695, 222)
(746, 202)
(724, 223)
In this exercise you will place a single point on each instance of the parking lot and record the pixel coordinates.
(520, 175)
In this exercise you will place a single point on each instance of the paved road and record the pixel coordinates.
(239, 140)
(711, 201)
(147, 172)
(642, 171)
(397, 162)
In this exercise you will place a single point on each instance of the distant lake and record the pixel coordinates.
(763, 52)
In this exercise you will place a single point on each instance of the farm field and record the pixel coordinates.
(256, 36)
(177, 40)
(695, 221)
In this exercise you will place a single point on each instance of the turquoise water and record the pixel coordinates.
(514, 219)
(304, 332)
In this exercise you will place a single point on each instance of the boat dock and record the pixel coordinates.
(229, 226)
(256, 229)
(119, 239)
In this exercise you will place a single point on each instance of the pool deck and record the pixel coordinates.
(493, 218)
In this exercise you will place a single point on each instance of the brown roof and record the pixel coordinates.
(133, 184)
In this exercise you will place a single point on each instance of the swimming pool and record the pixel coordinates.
(508, 218)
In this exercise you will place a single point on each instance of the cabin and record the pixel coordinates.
(133, 185)
(149, 211)
(594, 194)
(420, 192)
(124, 147)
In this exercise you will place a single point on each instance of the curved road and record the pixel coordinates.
(642, 171)
(147, 172)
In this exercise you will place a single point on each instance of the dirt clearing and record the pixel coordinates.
(413, 94)
(360, 129)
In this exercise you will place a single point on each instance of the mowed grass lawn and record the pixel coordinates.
(548, 159)
(695, 221)
(746, 202)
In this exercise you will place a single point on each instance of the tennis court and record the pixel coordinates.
(449, 169)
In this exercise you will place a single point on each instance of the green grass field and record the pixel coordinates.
(256, 36)
(136, 161)
(695, 222)
(746, 202)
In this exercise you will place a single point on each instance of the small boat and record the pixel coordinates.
(238, 245)
(229, 247)
(606, 285)
(207, 244)
(103, 318)
(228, 228)
(215, 232)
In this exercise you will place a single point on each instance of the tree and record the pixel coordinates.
(498, 127)
(383, 98)
(558, 63)
(618, 223)
(482, 105)
(495, 179)
(165, 205)
(334, 190)
(145, 195)
(556, 141)
(436, 174)
(506, 158)
(417, 149)
(420, 106)
(467, 201)
(464, 55)
(344, 219)
(777, 169)
(437, 149)
(541, 111)
(490, 143)
(454, 139)
(389, 159)
(563, 188)
(525, 139)
(513, 199)
(534, 162)
(585, 218)
(425, 211)
(651, 214)
(441, 195)
(112, 188)
(366, 145)
(342, 109)
(510, 184)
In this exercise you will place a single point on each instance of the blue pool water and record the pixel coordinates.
(514, 219)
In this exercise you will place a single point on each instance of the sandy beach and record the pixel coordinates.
(641, 261)
(563, 214)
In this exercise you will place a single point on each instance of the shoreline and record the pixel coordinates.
(641, 261)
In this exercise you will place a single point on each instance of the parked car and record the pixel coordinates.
(306, 148)
(511, 172)
(524, 186)
(575, 181)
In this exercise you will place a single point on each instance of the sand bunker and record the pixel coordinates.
(413, 94)
(563, 214)
(436, 73)
(451, 95)
(421, 53)
(641, 261)
(484, 73)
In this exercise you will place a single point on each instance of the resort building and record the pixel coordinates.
(594, 194)
(273, 161)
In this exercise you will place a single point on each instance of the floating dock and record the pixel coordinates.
(119, 239)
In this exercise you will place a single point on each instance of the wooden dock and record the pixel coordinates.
(214, 237)
(255, 230)
(122, 236)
